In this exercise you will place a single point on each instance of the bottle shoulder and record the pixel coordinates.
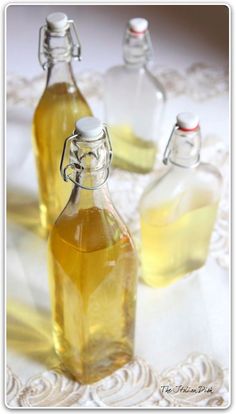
(114, 70)
(61, 89)
(121, 80)
(209, 169)
(61, 96)
(157, 84)
(204, 181)
(91, 229)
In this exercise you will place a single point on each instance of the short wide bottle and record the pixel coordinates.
(178, 211)
(93, 265)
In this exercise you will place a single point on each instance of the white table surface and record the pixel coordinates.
(191, 316)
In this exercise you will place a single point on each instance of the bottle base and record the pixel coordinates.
(99, 358)
(91, 379)
(89, 374)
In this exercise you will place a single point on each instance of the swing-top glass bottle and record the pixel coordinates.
(92, 264)
(134, 102)
(178, 211)
(59, 107)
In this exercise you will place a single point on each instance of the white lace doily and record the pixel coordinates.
(138, 384)
(199, 81)
(197, 381)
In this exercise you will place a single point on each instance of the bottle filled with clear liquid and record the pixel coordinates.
(179, 210)
(92, 264)
(134, 103)
(59, 107)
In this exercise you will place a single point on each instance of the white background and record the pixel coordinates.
(181, 34)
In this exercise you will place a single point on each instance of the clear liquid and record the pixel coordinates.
(93, 269)
(175, 244)
(131, 152)
(54, 120)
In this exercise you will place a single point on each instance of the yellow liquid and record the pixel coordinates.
(93, 269)
(54, 120)
(131, 152)
(171, 247)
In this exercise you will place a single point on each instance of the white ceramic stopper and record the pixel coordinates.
(187, 120)
(89, 127)
(138, 25)
(57, 21)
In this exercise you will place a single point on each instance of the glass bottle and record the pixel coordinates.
(59, 107)
(92, 263)
(134, 102)
(178, 211)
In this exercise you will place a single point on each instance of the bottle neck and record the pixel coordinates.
(60, 72)
(136, 50)
(131, 65)
(93, 180)
(84, 199)
(92, 190)
(88, 168)
(185, 148)
(58, 53)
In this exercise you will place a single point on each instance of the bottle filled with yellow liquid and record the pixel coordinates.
(178, 211)
(134, 103)
(59, 107)
(92, 264)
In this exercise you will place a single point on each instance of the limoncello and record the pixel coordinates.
(59, 107)
(178, 210)
(92, 267)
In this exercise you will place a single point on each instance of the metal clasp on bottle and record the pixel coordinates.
(76, 167)
(70, 29)
(76, 45)
(167, 151)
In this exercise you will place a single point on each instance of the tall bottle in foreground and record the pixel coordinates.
(59, 107)
(93, 264)
(134, 103)
(178, 211)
